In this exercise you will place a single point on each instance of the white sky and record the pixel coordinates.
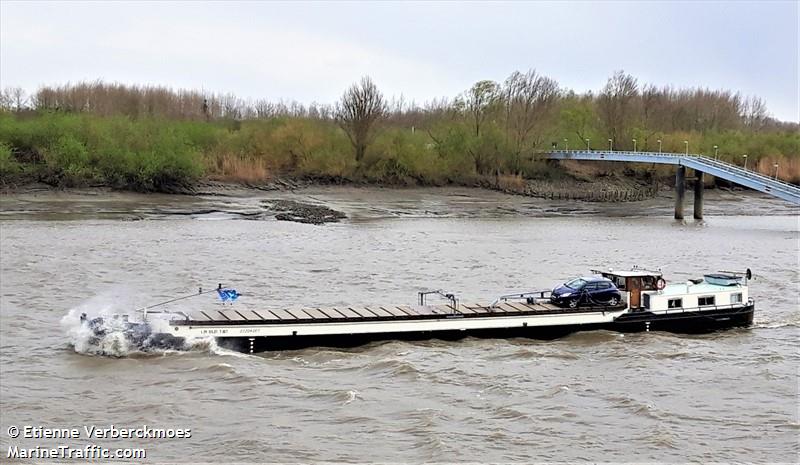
(313, 51)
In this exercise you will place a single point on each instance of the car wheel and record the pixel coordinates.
(573, 303)
(614, 301)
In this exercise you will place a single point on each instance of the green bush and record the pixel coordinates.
(156, 153)
(8, 165)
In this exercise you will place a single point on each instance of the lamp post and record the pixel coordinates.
(566, 145)
(716, 151)
(659, 145)
(776, 171)
(610, 145)
(634, 145)
(587, 146)
(686, 142)
(745, 161)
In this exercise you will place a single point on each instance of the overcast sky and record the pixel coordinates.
(312, 51)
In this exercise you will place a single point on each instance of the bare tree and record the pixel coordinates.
(754, 113)
(529, 101)
(6, 100)
(615, 104)
(651, 101)
(360, 108)
(14, 98)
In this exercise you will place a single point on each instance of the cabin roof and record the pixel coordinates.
(629, 273)
(678, 289)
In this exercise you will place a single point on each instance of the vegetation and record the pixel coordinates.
(154, 138)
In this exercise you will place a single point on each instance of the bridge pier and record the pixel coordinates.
(680, 191)
(698, 195)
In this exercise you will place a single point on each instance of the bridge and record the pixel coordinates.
(700, 164)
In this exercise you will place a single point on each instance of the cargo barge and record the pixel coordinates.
(641, 301)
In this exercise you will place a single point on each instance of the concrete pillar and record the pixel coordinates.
(680, 191)
(698, 195)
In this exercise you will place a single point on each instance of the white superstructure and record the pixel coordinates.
(695, 296)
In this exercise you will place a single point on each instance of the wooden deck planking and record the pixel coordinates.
(505, 307)
(362, 312)
(444, 309)
(199, 316)
(239, 315)
(476, 308)
(331, 312)
(408, 310)
(299, 314)
(466, 310)
(216, 315)
(232, 315)
(265, 315)
(423, 310)
(283, 314)
(318, 315)
(347, 312)
(379, 311)
(394, 311)
(519, 306)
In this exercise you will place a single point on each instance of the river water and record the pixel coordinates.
(601, 396)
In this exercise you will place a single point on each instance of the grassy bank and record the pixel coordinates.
(462, 142)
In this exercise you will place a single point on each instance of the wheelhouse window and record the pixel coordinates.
(705, 301)
(736, 298)
(675, 303)
(646, 301)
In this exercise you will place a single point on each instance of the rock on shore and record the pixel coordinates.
(291, 210)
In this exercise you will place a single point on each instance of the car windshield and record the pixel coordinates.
(576, 283)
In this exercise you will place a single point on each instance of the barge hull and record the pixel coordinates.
(678, 322)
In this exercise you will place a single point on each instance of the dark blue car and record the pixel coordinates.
(586, 291)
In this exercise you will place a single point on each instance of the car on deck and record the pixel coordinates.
(586, 291)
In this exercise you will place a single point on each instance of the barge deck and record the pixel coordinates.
(635, 300)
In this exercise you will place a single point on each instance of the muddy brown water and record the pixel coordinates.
(601, 396)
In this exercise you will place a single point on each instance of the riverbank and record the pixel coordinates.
(357, 203)
(588, 181)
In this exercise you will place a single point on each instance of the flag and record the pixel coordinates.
(228, 294)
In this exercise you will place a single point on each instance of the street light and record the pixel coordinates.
(610, 145)
(687, 147)
(587, 146)
(566, 145)
(716, 151)
(634, 145)
(659, 145)
(745, 161)
(776, 171)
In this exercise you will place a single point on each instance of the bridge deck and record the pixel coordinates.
(720, 169)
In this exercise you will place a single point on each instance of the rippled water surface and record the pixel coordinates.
(729, 396)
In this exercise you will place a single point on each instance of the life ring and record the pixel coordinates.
(661, 284)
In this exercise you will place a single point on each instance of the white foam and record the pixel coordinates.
(110, 338)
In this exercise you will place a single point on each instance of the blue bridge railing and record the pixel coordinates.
(720, 169)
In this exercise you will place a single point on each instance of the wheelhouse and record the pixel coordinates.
(631, 283)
